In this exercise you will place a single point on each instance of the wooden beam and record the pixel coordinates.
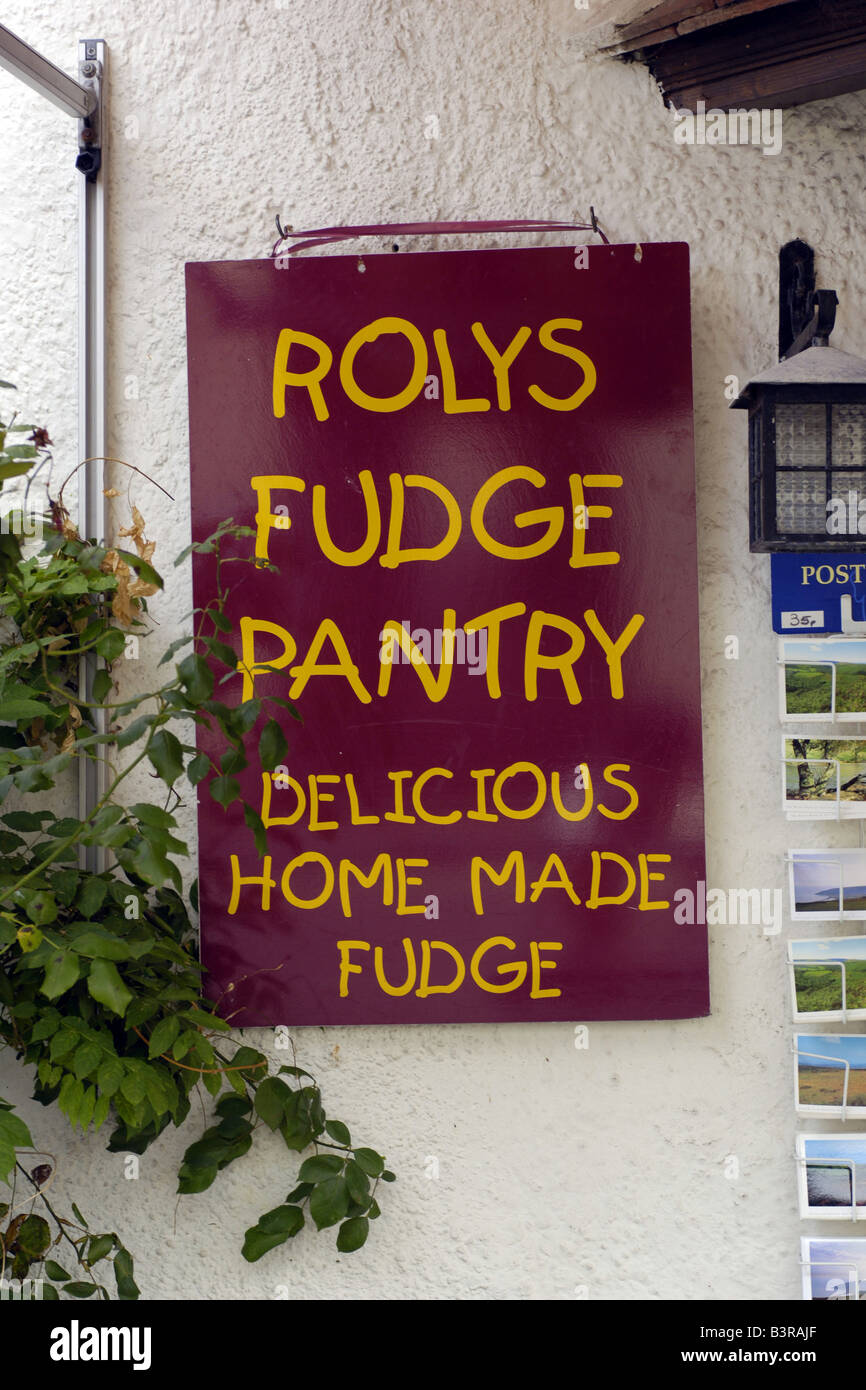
(786, 84)
(633, 37)
(736, 9)
(776, 57)
(663, 16)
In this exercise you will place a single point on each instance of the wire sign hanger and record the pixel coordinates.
(325, 236)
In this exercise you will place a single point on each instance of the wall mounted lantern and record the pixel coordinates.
(807, 444)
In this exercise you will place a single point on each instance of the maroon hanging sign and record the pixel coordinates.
(473, 472)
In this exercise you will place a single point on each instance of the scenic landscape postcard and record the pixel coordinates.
(832, 1176)
(823, 678)
(823, 778)
(830, 1074)
(827, 884)
(828, 979)
(833, 1269)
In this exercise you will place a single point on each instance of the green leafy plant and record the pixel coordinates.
(27, 1243)
(100, 988)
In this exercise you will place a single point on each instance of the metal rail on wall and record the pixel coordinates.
(84, 99)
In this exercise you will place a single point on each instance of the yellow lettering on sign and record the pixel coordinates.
(381, 865)
(450, 402)
(424, 986)
(411, 970)
(369, 334)
(563, 662)
(249, 664)
(347, 967)
(501, 362)
(515, 968)
(554, 517)
(579, 557)
(548, 340)
(365, 551)
(263, 485)
(327, 631)
(535, 949)
(311, 379)
(513, 865)
(394, 556)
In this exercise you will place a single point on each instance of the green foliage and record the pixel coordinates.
(100, 985)
(29, 1241)
(14, 1134)
(334, 1187)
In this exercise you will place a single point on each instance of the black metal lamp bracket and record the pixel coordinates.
(817, 331)
(806, 314)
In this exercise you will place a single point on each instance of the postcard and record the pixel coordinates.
(833, 1269)
(832, 1176)
(827, 884)
(822, 678)
(823, 778)
(830, 1075)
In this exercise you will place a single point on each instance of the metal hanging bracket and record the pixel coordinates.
(43, 76)
(90, 72)
(817, 330)
(807, 315)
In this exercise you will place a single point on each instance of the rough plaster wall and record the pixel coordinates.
(560, 1169)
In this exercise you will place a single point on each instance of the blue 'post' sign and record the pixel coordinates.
(819, 592)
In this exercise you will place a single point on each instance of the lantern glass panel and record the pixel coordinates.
(848, 437)
(801, 436)
(820, 455)
(801, 503)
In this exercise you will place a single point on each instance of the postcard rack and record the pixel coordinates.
(826, 886)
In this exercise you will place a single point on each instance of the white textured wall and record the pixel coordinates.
(558, 1168)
